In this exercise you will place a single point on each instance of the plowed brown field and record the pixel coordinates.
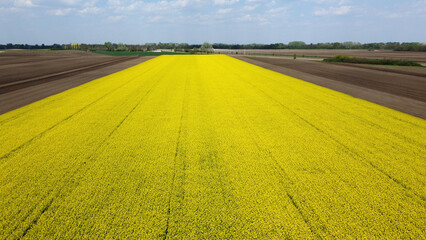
(414, 56)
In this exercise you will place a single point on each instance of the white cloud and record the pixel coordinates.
(70, 2)
(90, 3)
(250, 7)
(224, 10)
(407, 10)
(155, 19)
(181, 3)
(344, 2)
(89, 10)
(271, 4)
(338, 2)
(128, 8)
(225, 2)
(114, 2)
(87, 3)
(23, 3)
(60, 12)
(278, 10)
(342, 10)
(255, 18)
(115, 18)
(11, 10)
(162, 6)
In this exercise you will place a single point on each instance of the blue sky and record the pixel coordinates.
(197, 21)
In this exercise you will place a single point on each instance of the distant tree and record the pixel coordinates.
(206, 47)
(411, 46)
(280, 46)
(133, 48)
(373, 46)
(122, 47)
(54, 46)
(337, 45)
(392, 45)
(109, 46)
(297, 45)
(84, 47)
(183, 46)
(351, 45)
(324, 46)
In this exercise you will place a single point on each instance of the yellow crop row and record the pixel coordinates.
(192, 147)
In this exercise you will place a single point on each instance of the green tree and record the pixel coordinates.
(122, 47)
(297, 45)
(109, 46)
(351, 45)
(206, 47)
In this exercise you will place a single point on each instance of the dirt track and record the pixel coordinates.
(415, 56)
(402, 92)
(25, 79)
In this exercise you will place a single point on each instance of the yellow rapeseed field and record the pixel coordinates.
(194, 147)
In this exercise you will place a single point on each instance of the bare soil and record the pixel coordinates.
(416, 71)
(24, 65)
(26, 77)
(401, 91)
(406, 55)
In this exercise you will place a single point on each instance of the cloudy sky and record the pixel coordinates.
(197, 21)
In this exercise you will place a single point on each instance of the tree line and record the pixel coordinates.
(396, 46)
(108, 46)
